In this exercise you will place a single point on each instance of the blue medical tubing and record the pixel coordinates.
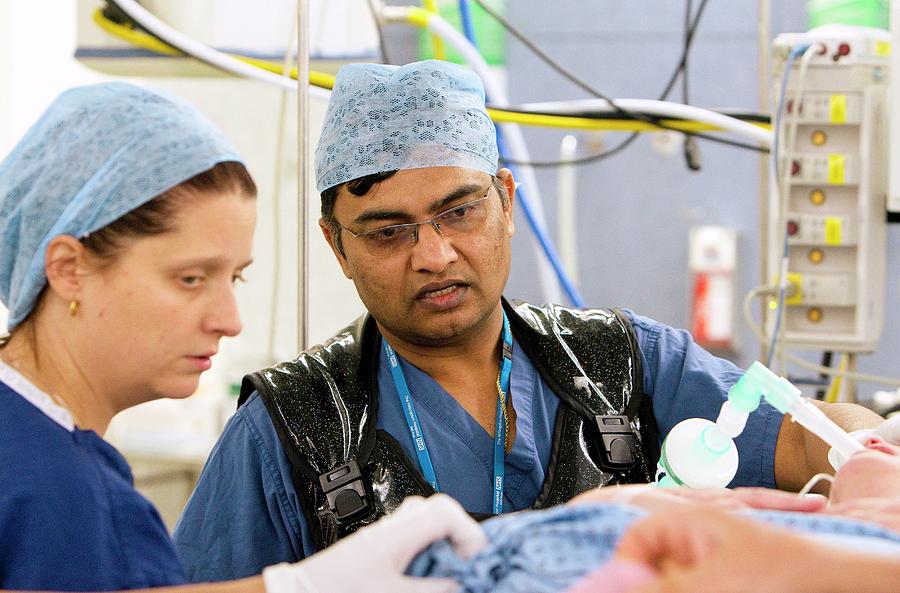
(465, 15)
(545, 242)
(779, 309)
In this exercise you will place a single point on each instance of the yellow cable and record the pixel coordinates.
(151, 43)
(419, 17)
(134, 37)
(437, 44)
(834, 389)
(587, 123)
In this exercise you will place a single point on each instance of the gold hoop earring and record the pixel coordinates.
(73, 307)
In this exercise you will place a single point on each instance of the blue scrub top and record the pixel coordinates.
(245, 513)
(70, 518)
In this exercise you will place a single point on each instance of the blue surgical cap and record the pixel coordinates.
(386, 118)
(98, 152)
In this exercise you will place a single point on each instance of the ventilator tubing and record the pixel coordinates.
(700, 454)
(807, 415)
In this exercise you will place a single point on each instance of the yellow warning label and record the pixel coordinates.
(833, 227)
(794, 293)
(882, 48)
(836, 169)
(837, 107)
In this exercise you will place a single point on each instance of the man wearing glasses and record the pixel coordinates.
(445, 385)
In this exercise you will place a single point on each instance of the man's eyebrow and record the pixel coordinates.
(436, 206)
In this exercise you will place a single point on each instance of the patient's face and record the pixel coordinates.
(873, 473)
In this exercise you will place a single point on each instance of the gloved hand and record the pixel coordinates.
(374, 559)
(889, 430)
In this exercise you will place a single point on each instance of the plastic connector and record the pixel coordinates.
(783, 396)
(732, 419)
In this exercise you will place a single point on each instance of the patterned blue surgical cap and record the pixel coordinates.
(98, 152)
(386, 118)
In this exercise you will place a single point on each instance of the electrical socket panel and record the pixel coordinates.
(836, 190)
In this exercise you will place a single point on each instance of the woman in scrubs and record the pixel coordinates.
(126, 220)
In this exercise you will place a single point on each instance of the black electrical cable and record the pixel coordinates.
(682, 61)
(629, 114)
(689, 148)
(562, 70)
(827, 357)
(584, 160)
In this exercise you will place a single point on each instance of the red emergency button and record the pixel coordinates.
(792, 228)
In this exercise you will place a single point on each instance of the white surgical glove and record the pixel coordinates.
(374, 559)
(889, 430)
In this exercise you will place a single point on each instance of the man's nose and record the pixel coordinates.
(432, 252)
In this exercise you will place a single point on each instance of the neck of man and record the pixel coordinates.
(467, 369)
(481, 347)
(58, 373)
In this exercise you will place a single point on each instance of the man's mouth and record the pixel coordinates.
(437, 290)
(442, 296)
(438, 293)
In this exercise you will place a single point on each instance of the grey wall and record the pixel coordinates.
(636, 208)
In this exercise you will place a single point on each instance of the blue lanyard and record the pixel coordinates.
(415, 430)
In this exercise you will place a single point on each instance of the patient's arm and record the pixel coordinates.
(653, 498)
(703, 549)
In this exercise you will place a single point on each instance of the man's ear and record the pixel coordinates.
(506, 178)
(65, 265)
(330, 233)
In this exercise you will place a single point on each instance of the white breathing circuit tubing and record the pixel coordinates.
(659, 108)
(207, 54)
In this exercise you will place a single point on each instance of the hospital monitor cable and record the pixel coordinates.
(781, 179)
(615, 105)
(322, 83)
(756, 329)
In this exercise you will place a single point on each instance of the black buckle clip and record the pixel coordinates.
(346, 492)
(617, 442)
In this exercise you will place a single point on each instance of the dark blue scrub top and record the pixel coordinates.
(70, 518)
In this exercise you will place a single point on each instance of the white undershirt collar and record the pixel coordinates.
(42, 401)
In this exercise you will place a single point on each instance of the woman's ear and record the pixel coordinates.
(65, 264)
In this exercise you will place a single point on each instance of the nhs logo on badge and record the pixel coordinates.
(420, 444)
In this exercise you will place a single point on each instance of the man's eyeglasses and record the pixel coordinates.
(459, 219)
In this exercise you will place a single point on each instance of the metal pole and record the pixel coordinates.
(302, 182)
(763, 59)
